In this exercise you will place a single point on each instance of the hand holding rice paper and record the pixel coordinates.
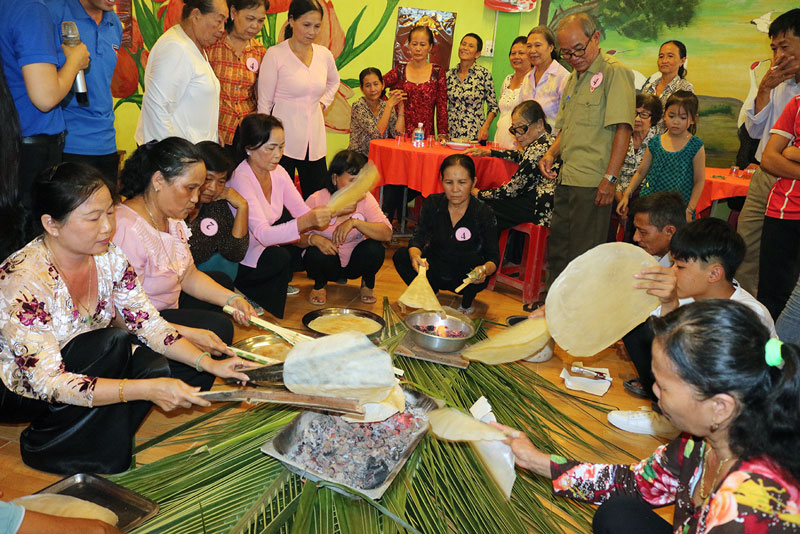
(419, 294)
(514, 343)
(451, 424)
(593, 302)
(352, 194)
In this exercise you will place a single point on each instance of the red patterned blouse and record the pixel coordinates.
(423, 99)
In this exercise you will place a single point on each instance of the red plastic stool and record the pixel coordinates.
(530, 271)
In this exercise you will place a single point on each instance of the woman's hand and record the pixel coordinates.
(478, 152)
(171, 393)
(228, 368)
(527, 456)
(340, 234)
(233, 197)
(242, 310)
(546, 166)
(395, 96)
(205, 340)
(324, 244)
(480, 271)
(622, 205)
(483, 133)
(417, 262)
(317, 218)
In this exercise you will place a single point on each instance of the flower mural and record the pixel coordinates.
(152, 18)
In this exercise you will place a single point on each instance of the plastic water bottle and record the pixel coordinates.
(418, 139)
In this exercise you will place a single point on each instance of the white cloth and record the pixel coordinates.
(759, 124)
(509, 98)
(292, 91)
(181, 96)
(745, 298)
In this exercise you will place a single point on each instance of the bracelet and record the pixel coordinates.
(197, 362)
(690, 210)
(231, 298)
(121, 392)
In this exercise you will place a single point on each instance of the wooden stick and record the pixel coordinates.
(467, 282)
(289, 336)
(252, 356)
(276, 396)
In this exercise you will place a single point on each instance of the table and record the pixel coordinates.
(418, 168)
(721, 184)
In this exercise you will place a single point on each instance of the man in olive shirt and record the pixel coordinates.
(595, 119)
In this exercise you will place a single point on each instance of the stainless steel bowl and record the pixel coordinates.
(438, 343)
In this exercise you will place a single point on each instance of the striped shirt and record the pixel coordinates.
(784, 197)
(237, 77)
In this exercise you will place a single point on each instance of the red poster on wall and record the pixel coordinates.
(442, 23)
(511, 6)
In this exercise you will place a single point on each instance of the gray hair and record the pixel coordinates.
(588, 24)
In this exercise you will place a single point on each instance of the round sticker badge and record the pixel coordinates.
(209, 227)
(595, 82)
(463, 234)
(252, 64)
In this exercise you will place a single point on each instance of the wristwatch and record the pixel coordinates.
(611, 178)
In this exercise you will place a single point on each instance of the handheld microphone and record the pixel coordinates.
(71, 37)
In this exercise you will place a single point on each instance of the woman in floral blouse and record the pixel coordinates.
(64, 368)
(373, 116)
(528, 196)
(469, 87)
(671, 76)
(736, 394)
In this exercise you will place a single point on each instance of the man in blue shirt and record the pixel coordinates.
(37, 80)
(91, 137)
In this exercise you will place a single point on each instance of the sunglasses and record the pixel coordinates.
(519, 130)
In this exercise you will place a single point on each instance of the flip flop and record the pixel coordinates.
(318, 297)
(367, 299)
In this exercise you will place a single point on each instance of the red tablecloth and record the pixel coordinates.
(721, 184)
(418, 168)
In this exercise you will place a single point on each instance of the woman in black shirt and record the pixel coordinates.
(456, 234)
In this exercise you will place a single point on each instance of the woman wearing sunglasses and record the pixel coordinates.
(528, 196)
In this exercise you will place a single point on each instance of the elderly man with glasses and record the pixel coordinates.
(595, 121)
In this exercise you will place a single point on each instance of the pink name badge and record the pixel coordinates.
(252, 64)
(595, 82)
(463, 234)
(209, 227)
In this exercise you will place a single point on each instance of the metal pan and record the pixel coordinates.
(310, 316)
(131, 508)
(266, 345)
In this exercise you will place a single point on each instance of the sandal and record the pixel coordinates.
(635, 387)
(367, 296)
(318, 297)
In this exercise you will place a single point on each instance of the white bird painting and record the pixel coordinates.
(762, 22)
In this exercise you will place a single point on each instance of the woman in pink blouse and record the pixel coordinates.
(298, 81)
(266, 270)
(351, 246)
(64, 368)
(162, 182)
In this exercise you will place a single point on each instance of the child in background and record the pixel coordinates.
(675, 160)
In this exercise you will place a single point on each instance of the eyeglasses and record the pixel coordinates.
(519, 130)
(578, 52)
(644, 114)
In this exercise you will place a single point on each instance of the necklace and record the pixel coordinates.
(703, 494)
(158, 237)
(88, 318)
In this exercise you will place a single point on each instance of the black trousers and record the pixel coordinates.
(639, 342)
(107, 164)
(510, 212)
(312, 173)
(442, 274)
(365, 262)
(267, 283)
(67, 439)
(628, 515)
(393, 200)
(779, 263)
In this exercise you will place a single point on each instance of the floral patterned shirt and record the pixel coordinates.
(528, 178)
(756, 496)
(38, 317)
(465, 101)
(364, 125)
(423, 100)
(632, 160)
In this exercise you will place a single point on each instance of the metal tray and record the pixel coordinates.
(284, 440)
(131, 508)
(264, 345)
(310, 316)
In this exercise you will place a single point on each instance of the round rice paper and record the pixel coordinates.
(593, 302)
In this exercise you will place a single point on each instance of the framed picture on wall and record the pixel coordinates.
(442, 23)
